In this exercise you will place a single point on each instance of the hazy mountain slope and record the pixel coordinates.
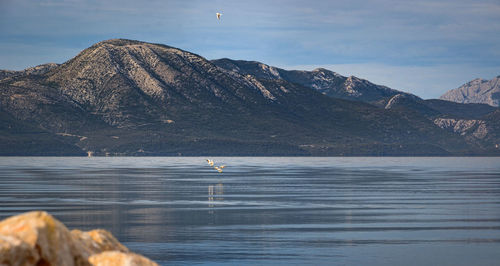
(135, 98)
(476, 91)
(439, 108)
(457, 110)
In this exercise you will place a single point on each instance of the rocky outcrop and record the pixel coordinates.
(109, 258)
(484, 132)
(476, 91)
(476, 128)
(37, 238)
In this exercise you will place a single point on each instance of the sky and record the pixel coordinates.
(423, 47)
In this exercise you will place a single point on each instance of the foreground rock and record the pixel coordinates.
(37, 238)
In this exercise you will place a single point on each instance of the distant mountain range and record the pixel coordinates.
(124, 97)
(476, 91)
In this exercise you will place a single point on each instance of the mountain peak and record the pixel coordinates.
(119, 41)
(325, 71)
(476, 91)
(477, 80)
(354, 79)
(131, 44)
(123, 42)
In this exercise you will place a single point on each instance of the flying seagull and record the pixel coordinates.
(218, 15)
(219, 168)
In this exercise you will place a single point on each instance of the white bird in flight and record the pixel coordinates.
(218, 15)
(218, 168)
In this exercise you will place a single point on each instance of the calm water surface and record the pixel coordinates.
(335, 211)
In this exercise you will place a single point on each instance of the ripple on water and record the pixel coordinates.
(375, 211)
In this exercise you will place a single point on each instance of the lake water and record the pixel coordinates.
(279, 211)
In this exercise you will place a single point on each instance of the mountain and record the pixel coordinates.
(412, 103)
(325, 81)
(125, 97)
(476, 91)
(478, 124)
(352, 88)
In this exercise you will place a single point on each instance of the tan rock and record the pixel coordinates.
(15, 252)
(37, 238)
(112, 258)
(46, 236)
(97, 241)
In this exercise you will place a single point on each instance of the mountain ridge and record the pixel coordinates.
(325, 81)
(125, 97)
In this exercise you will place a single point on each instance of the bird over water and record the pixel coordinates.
(218, 168)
